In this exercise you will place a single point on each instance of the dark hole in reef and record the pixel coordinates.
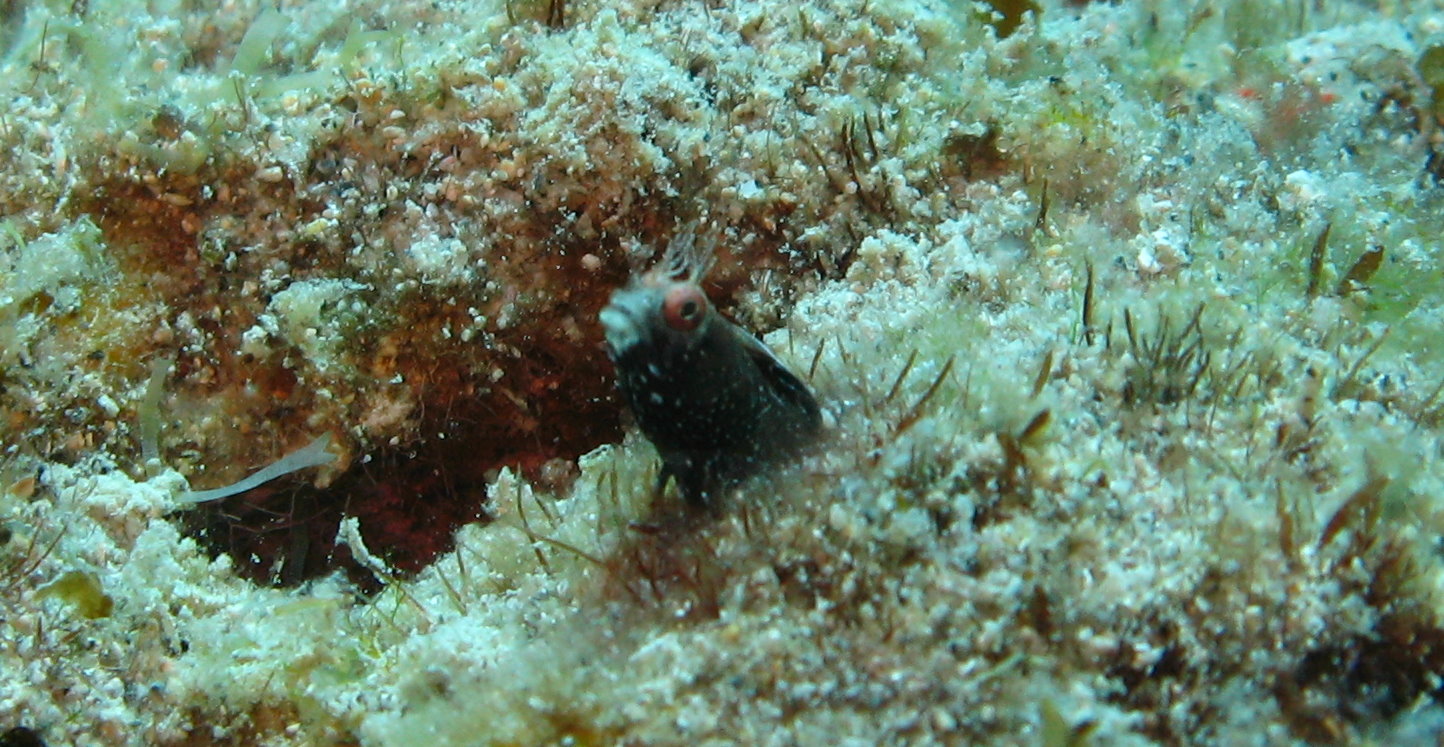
(410, 499)
(283, 534)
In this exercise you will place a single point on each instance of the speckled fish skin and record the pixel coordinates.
(714, 400)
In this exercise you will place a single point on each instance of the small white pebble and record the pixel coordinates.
(107, 403)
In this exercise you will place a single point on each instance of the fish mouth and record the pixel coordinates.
(622, 321)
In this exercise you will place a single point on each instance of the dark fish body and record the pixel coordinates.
(713, 400)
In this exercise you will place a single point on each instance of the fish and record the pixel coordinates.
(714, 401)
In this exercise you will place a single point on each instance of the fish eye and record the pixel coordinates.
(683, 307)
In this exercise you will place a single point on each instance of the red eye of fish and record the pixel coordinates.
(684, 307)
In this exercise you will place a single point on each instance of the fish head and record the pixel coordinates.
(657, 317)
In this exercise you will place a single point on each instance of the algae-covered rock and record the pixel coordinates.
(1121, 318)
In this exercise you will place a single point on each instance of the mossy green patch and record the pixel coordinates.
(81, 590)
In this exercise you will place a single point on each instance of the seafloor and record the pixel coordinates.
(1125, 318)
